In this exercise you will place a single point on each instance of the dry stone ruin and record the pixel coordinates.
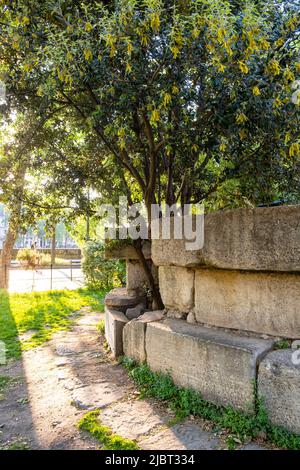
(228, 307)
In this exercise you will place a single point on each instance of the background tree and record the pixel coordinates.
(184, 99)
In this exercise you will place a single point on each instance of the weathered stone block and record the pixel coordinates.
(177, 287)
(153, 315)
(135, 275)
(122, 299)
(134, 340)
(114, 324)
(265, 303)
(127, 251)
(220, 365)
(261, 239)
(279, 386)
(135, 312)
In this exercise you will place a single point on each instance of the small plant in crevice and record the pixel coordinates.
(101, 327)
(91, 423)
(282, 344)
(185, 402)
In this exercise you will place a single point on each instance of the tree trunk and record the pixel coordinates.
(13, 229)
(147, 270)
(8, 245)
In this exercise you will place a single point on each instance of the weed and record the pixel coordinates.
(91, 423)
(101, 327)
(16, 446)
(4, 381)
(185, 402)
(282, 344)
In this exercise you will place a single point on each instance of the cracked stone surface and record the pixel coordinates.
(185, 436)
(134, 419)
(54, 385)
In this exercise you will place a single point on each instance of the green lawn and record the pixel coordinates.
(45, 312)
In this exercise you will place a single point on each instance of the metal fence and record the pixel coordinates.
(47, 277)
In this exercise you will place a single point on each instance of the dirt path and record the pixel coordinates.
(53, 386)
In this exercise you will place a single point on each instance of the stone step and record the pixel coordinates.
(114, 324)
(121, 299)
(222, 366)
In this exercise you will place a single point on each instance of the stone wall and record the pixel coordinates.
(226, 307)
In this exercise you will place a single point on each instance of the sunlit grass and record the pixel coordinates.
(43, 312)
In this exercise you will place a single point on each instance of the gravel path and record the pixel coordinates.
(53, 386)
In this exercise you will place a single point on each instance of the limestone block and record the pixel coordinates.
(176, 287)
(114, 324)
(135, 275)
(173, 252)
(267, 303)
(153, 315)
(134, 340)
(122, 299)
(279, 386)
(135, 312)
(127, 251)
(260, 239)
(220, 365)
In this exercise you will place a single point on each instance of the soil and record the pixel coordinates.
(54, 385)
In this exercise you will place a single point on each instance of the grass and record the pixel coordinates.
(4, 381)
(45, 312)
(101, 327)
(16, 446)
(185, 402)
(109, 441)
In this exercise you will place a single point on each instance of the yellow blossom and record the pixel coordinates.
(243, 67)
(121, 132)
(288, 75)
(26, 20)
(175, 50)
(88, 27)
(279, 42)
(265, 44)
(167, 99)
(223, 147)
(128, 67)
(195, 33)
(70, 56)
(221, 35)
(241, 118)
(274, 67)
(88, 55)
(256, 91)
(129, 48)
(155, 116)
(287, 138)
(277, 103)
(228, 49)
(294, 150)
(221, 68)
(155, 21)
(27, 67)
(175, 89)
(144, 40)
